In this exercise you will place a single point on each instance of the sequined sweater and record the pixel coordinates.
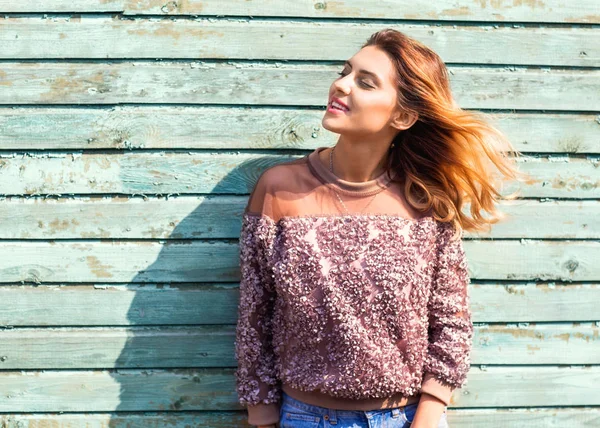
(358, 301)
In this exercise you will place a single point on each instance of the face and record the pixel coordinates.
(370, 98)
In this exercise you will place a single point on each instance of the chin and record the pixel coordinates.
(330, 126)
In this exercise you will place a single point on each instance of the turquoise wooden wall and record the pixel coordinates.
(131, 133)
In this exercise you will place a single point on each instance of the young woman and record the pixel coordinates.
(354, 308)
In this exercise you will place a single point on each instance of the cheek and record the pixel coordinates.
(372, 116)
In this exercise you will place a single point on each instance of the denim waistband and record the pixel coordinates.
(334, 413)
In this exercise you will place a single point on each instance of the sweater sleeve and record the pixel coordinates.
(257, 384)
(450, 326)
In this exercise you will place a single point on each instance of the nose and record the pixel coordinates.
(340, 87)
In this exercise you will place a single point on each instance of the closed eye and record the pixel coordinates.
(361, 80)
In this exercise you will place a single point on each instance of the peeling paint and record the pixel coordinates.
(97, 268)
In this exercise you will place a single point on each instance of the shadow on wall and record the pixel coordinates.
(179, 354)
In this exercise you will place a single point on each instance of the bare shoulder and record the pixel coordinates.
(282, 174)
(275, 178)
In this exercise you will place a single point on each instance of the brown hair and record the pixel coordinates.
(445, 157)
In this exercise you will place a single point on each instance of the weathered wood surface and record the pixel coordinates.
(213, 346)
(123, 390)
(169, 173)
(148, 304)
(575, 417)
(215, 217)
(533, 260)
(203, 82)
(160, 302)
(533, 302)
(219, 419)
(500, 11)
(67, 37)
(205, 261)
(104, 304)
(230, 127)
(214, 389)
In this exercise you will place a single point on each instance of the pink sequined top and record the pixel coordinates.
(355, 305)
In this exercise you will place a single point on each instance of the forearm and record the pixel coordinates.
(429, 412)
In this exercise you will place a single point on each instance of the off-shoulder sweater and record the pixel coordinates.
(360, 305)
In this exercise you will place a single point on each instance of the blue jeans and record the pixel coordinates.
(298, 414)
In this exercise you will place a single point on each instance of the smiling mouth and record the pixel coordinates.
(334, 106)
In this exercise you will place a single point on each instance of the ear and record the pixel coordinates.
(404, 120)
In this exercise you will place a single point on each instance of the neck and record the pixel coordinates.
(358, 163)
(318, 162)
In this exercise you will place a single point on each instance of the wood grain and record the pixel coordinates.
(501, 11)
(100, 37)
(236, 127)
(206, 261)
(264, 83)
(219, 217)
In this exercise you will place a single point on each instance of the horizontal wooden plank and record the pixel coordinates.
(202, 261)
(101, 37)
(117, 347)
(533, 259)
(214, 389)
(265, 83)
(122, 390)
(465, 418)
(559, 11)
(151, 304)
(194, 217)
(134, 304)
(556, 343)
(189, 127)
(184, 217)
(220, 419)
(213, 346)
(533, 302)
(145, 261)
(546, 219)
(168, 173)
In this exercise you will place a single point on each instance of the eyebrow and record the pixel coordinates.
(370, 73)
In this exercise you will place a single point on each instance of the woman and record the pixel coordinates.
(354, 308)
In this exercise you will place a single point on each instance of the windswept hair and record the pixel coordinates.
(450, 155)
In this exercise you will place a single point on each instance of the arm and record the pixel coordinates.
(429, 412)
(450, 327)
(257, 385)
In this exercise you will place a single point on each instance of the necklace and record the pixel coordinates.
(338, 195)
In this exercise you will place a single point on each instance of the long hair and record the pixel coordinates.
(448, 156)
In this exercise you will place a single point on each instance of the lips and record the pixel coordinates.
(338, 101)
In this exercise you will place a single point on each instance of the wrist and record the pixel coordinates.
(429, 412)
